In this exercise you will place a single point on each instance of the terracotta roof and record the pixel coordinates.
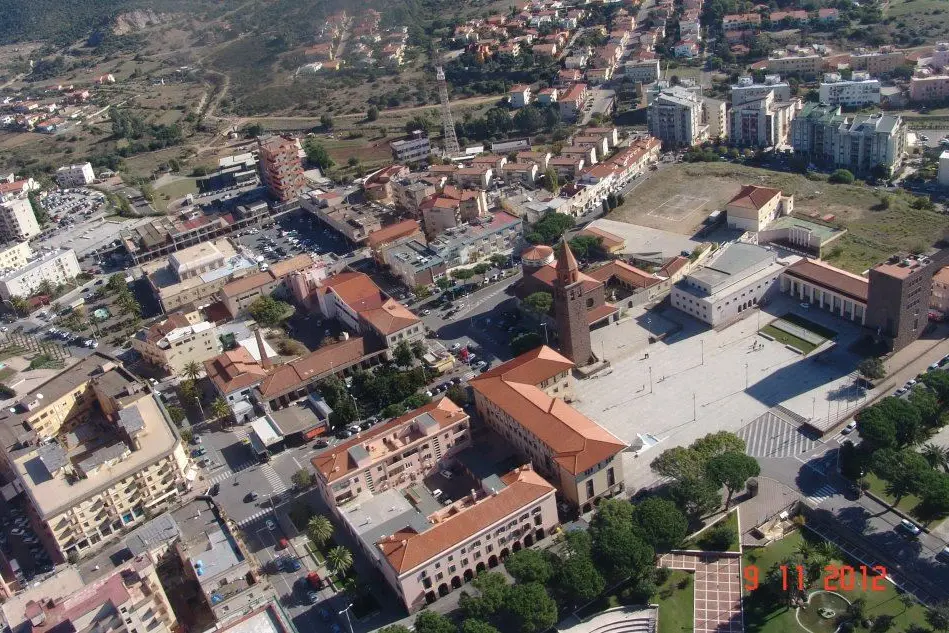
(753, 197)
(245, 284)
(303, 371)
(390, 318)
(357, 290)
(942, 276)
(831, 278)
(161, 330)
(599, 313)
(538, 252)
(407, 549)
(674, 265)
(626, 273)
(283, 268)
(547, 274)
(234, 370)
(393, 232)
(609, 240)
(577, 442)
(337, 463)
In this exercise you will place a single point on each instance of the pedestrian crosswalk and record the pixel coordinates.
(257, 516)
(821, 494)
(227, 473)
(240, 432)
(772, 436)
(273, 478)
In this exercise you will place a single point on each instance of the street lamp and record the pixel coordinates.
(348, 621)
(546, 338)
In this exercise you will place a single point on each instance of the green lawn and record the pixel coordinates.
(807, 324)
(675, 598)
(762, 616)
(788, 339)
(166, 194)
(878, 487)
(701, 543)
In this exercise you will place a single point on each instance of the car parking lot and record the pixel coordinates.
(293, 235)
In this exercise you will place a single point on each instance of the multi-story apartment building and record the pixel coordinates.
(495, 233)
(238, 170)
(129, 599)
(646, 70)
(899, 295)
(806, 64)
(714, 115)
(281, 170)
(192, 277)
(880, 62)
(859, 90)
(859, 143)
(524, 401)
(57, 267)
(177, 341)
(166, 235)
(942, 173)
(397, 454)
(14, 255)
(414, 263)
(78, 175)
(239, 294)
(452, 207)
(747, 90)
(928, 87)
(17, 220)
(92, 452)
(939, 300)
(354, 222)
(763, 122)
(571, 102)
(674, 116)
(392, 235)
(413, 149)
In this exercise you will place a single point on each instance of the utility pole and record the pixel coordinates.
(693, 407)
(746, 375)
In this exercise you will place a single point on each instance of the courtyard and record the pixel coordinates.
(697, 380)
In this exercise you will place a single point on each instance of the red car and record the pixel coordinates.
(314, 579)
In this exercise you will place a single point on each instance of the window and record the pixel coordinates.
(610, 478)
(589, 488)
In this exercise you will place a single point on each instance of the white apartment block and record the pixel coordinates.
(78, 175)
(763, 122)
(17, 220)
(15, 255)
(860, 90)
(943, 174)
(57, 267)
(176, 342)
(674, 117)
(747, 90)
(646, 71)
(414, 149)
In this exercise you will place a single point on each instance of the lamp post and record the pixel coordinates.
(348, 621)
(746, 375)
(546, 338)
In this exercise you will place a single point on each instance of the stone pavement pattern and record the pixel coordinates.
(717, 589)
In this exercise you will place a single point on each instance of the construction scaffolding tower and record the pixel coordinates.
(448, 123)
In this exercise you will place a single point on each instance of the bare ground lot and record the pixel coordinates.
(679, 197)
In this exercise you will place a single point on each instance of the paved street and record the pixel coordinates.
(773, 436)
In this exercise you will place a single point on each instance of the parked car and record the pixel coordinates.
(315, 581)
(198, 452)
(216, 488)
(321, 444)
(250, 496)
(850, 427)
(909, 527)
(270, 525)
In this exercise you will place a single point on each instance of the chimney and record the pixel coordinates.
(264, 360)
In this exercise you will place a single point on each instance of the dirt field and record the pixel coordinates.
(678, 198)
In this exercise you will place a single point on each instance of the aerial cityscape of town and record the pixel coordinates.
(490, 316)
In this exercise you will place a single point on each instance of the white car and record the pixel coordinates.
(851, 426)
(910, 527)
(456, 347)
(271, 525)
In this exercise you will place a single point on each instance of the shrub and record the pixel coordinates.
(841, 177)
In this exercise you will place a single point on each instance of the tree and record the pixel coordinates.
(116, 283)
(938, 381)
(732, 470)
(529, 565)
(421, 291)
(339, 559)
(431, 622)
(679, 463)
(317, 154)
(19, 305)
(46, 287)
(872, 368)
(577, 580)
(393, 410)
(539, 303)
(319, 530)
(462, 274)
(220, 409)
(302, 479)
(531, 608)
(587, 246)
(904, 471)
(403, 354)
(661, 523)
(326, 121)
(177, 416)
(457, 395)
(186, 436)
(938, 616)
(528, 120)
(443, 283)
(578, 543)
(189, 391)
(492, 590)
(549, 228)
(551, 181)
(472, 625)
(268, 311)
(372, 114)
(717, 538)
(618, 551)
(876, 430)
(525, 342)
(842, 177)
(936, 456)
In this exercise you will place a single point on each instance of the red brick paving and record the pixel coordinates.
(717, 590)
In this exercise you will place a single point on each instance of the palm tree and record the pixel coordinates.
(339, 559)
(804, 550)
(220, 409)
(19, 305)
(189, 390)
(319, 530)
(827, 550)
(192, 370)
(936, 456)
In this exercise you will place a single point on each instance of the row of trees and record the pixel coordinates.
(388, 391)
(700, 470)
(619, 549)
(894, 433)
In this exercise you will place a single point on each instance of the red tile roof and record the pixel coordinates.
(831, 278)
(394, 232)
(753, 197)
(234, 370)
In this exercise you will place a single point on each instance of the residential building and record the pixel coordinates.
(280, 168)
(525, 401)
(495, 233)
(803, 64)
(56, 267)
(128, 598)
(572, 101)
(14, 255)
(939, 300)
(408, 193)
(715, 117)
(524, 173)
(675, 117)
(859, 143)
(827, 288)
(167, 234)
(753, 207)
(763, 122)
(475, 177)
(235, 374)
(453, 207)
(858, 91)
(741, 21)
(355, 222)
(191, 278)
(92, 452)
(899, 295)
(928, 87)
(176, 342)
(788, 18)
(17, 220)
(943, 172)
(645, 71)
(747, 90)
(880, 62)
(378, 186)
(239, 294)
(414, 263)
(239, 170)
(737, 279)
(392, 235)
(519, 95)
(78, 175)
(269, 618)
(394, 455)
(214, 559)
(413, 149)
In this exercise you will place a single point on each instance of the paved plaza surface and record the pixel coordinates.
(717, 589)
(699, 381)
